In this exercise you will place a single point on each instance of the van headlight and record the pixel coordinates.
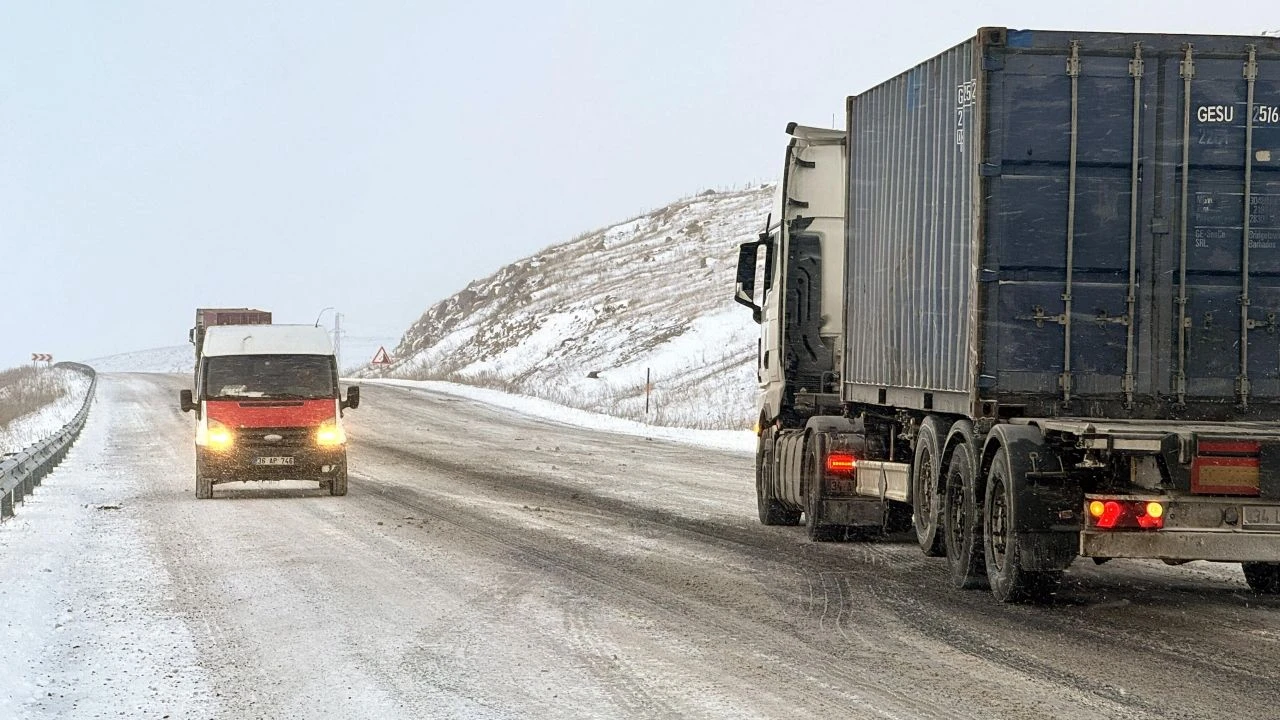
(216, 436)
(330, 434)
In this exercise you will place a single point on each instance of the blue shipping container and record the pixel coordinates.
(1054, 224)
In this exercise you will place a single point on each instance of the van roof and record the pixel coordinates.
(266, 340)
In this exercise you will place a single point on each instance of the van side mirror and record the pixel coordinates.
(353, 398)
(184, 399)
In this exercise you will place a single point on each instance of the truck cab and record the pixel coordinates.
(792, 279)
(268, 407)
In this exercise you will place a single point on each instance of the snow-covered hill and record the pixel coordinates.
(583, 322)
(173, 359)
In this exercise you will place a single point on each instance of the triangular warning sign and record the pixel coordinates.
(381, 357)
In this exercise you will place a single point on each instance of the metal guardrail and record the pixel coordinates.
(21, 472)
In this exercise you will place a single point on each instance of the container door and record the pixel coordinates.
(1132, 214)
(1226, 291)
(1061, 173)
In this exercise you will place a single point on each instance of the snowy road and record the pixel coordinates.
(487, 565)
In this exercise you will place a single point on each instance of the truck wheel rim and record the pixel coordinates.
(955, 499)
(927, 490)
(999, 526)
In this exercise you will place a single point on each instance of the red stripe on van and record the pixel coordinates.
(270, 413)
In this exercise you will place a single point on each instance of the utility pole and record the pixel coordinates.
(337, 340)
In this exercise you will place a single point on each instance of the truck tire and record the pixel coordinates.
(962, 521)
(811, 480)
(926, 475)
(1000, 534)
(770, 511)
(1263, 577)
(338, 483)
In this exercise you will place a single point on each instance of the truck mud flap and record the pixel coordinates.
(1046, 501)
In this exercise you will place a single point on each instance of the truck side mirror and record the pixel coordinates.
(184, 398)
(745, 292)
(353, 398)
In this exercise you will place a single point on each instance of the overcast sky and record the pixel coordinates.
(378, 156)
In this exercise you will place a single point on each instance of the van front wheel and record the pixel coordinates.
(338, 483)
(204, 484)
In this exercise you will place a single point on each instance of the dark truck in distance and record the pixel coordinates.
(1048, 325)
(268, 407)
(209, 317)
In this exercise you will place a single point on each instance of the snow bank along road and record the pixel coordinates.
(486, 565)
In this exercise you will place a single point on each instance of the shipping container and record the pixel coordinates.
(209, 317)
(1049, 224)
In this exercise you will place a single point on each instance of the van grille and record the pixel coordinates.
(289, 437)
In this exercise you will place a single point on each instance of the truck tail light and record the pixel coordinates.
(842, 469)
(1226, 467)
(1126, 514)
(841, 463)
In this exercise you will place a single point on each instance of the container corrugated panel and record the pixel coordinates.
(1054, 222)
(207, 317)
(909, 267)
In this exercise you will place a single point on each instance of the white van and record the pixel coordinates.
(268, 407)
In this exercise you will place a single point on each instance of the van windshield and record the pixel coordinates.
(270, 376)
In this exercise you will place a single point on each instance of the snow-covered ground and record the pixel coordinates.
(172, 359)
(733, 440)
(35, 426)
(497, 565)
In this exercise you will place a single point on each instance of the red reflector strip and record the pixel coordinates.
(1229, 447)
(1225, 475)
(841, 463)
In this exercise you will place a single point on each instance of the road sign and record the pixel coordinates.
(381, 357)
(41, 357)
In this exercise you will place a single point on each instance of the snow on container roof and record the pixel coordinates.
(266, 340)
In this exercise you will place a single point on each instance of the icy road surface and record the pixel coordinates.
(489, 565)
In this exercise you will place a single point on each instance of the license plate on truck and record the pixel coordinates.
(1262, 516)
(273, 460)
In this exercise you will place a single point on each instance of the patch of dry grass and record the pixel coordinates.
(24, 390)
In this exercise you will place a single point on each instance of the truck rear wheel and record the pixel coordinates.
(811, 480)
(962, 521)
(1263, 577)
(770, 511)
(926, 474)
(1000, 535)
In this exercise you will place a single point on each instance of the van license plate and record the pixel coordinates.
(273, 460)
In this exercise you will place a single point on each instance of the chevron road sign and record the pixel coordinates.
(41, 357)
